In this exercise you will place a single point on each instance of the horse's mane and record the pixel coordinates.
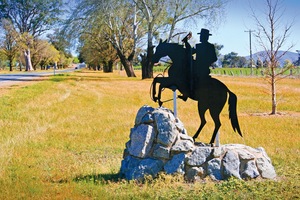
(173, 44)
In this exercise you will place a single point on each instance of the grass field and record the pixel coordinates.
(63, 138)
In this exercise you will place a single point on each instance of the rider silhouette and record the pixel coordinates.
(205, 57)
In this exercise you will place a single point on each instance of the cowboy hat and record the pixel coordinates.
(204, 32)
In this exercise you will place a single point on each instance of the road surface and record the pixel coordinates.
(10, 79)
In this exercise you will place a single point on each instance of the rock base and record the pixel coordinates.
(159, 143)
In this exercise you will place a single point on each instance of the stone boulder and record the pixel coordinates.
(159, 143)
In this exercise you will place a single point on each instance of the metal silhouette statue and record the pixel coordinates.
(191, 77)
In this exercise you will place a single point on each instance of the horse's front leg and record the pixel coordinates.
(154, 89)
(159, 95)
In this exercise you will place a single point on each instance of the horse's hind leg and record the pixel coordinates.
(215, 113)
(202, 119)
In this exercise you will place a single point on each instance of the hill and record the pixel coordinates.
(262, 55)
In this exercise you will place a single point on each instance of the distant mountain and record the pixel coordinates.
(262, 55)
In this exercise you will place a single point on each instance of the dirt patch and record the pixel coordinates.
(278, 114)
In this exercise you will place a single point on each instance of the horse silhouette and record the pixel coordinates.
(211, 94)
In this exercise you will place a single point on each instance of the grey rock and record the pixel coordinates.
(136, 169)
(144, 115)
(249, 170)
(265, 168)
(161, 152)
(128, 167)
(194, 173)
(180, 127)
(214, 169)
(244, 154)
(176, 164)
(167, 131)
(262, 150)
(231, 165)
(183, 146)
(141, 140)
(218, 152)
(199, 156)
(185, 137)
(159, 142)
(149, 166)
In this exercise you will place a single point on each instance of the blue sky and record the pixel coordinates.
(230, 32)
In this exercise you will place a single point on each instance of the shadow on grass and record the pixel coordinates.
(98, 178)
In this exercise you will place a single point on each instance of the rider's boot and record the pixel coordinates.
(183, 97)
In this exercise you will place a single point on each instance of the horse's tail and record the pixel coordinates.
(232, 101)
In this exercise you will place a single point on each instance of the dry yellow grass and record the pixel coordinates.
(61, 138)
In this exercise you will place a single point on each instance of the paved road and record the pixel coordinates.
(7, 79)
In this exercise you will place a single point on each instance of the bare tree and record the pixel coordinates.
(152, 11)
(192, 11)
(271, 35)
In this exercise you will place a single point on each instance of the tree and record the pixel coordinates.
(96, 50)
(60, 42)
(9, 48)
(2, 58)
(44, 54)
(114, 20)
(233, 60)
(152, 11)
(241, 62)
(192, 11)
(230, 59)
(166, 14)
(271, 35)
(30, 19)
(218, 48)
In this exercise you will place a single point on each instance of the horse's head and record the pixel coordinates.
(160, 51)
(173, 50)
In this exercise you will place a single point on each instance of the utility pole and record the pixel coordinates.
(251, 61)
(298, 62)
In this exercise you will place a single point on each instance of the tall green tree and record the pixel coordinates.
(116, 22)
(60, 42)
(8, 46)
(96, 51)
(31, 19)
(44, 54)
(230, 59)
